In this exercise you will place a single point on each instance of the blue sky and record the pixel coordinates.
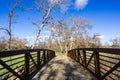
(104, 15)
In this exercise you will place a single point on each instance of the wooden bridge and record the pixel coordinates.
(42, 64)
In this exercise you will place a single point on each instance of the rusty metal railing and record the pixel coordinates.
(103, 63)
(24, 64)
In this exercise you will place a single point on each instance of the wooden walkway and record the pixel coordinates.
(63, 68)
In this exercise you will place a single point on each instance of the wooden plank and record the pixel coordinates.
(104, 50)
(18, 52)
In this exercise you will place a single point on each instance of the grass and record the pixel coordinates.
(60, 53)
(18, 64)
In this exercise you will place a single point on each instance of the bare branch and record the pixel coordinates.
(35, 24)
(4, 29)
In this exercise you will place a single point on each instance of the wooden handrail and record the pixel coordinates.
(30, 61)
(100, 59)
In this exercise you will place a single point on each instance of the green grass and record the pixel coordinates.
(19, 62)
(59, 53)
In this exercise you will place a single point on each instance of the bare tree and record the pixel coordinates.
(70, 34)
(79, 30)
(115, 42)
(44, 7)
(11, 14)
(57, 30)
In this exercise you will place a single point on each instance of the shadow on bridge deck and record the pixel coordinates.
(63, 68)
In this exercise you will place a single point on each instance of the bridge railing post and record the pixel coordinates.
(97, 64)
(26, 66)
(48, 55)
(44, 55)
(75, 55)
(78, 56)
(38, 59)
(84, 59)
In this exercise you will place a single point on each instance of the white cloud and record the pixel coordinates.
(33, 37)
(101, 36)
(63, 4)
(80, 4)
(30, 37)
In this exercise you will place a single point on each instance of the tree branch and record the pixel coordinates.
(4, 29)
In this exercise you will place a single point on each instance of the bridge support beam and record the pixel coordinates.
(97, 64)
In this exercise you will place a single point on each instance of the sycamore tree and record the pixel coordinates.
(79, 31)
(71, 34)
(58, 30)
(44, 7)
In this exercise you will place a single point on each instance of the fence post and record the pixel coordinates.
(74, 54)
(44, 55)
(84, 58)
(48, 55)
(26, 66)
(97, 64)
(38, 59)
(78, 56)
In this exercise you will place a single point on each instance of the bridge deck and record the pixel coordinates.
(63, 68)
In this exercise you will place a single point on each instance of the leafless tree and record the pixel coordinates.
(115, 42)
(71, 34)
(56, 30)
(79, 30)
(11, 15)
(44, 7)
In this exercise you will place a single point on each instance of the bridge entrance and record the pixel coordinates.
(63, 68)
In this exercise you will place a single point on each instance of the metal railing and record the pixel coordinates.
(103, 63)
(23, 64)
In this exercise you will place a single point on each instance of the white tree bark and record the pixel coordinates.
(41, 27)
(60, 45)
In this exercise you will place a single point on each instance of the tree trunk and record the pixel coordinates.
(60, 45)
(66, 49)
(41, 27)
